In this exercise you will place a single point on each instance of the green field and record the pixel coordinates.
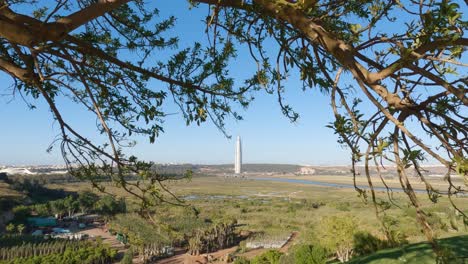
(295, 207)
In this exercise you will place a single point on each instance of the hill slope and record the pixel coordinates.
(419, 253)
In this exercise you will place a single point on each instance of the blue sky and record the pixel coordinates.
(268, 136)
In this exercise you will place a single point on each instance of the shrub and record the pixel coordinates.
(344, 206)
(269, 257)
(10, 228)
(436, 222)
(243, 246)
(21, 212)
(365, 243)
(446, 255)
(217, 236)
(128, 257)
(57, 251)
(391, 227)
(336, 234)
(287, 259)
(241, 260)
(309, 254)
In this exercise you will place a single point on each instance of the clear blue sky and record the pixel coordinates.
(268, 136)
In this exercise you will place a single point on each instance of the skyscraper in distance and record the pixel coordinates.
(238, 157)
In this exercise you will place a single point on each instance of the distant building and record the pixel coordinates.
(238, 157)
(307, 171)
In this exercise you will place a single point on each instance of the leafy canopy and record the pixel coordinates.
(406, 58)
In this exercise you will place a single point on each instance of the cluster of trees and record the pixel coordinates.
(335, 237)
(145, 238)
(58, 252)
(341, 237)
(12, 228)
(34, 188)
(85, 202)
(217, 236)
(150, 240)
(37, 248)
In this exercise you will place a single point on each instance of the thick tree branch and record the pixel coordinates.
(28, 31)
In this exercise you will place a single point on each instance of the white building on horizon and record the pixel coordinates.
(238, 157)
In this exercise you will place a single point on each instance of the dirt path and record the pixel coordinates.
(290, 242)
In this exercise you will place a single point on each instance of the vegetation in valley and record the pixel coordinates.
(390, 89)
(57, 251)
(334, 223)
(221, 212)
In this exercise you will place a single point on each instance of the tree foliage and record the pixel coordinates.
(57, 251)
(87, 200)
(409, 80)
(269, 257)
(336, 233)
(310, 254)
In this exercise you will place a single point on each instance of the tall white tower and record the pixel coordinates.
(238, 158)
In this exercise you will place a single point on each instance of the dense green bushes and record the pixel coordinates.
(269, 257)
(309, 254)
(57, 251)
(128, 257)
(241, 260)
(394, 231)
(85, 202)
(17, 240)
(335, 233)
(147, 239)
(87, 255)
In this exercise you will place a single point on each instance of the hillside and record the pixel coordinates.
(418, 253)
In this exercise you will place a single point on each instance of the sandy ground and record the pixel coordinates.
(106, 237)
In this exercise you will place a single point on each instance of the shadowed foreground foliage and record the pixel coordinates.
(419, 253)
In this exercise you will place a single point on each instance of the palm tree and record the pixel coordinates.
(10, 228)
(20, 228)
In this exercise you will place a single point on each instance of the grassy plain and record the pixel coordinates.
(273, 210)
(7, 192)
